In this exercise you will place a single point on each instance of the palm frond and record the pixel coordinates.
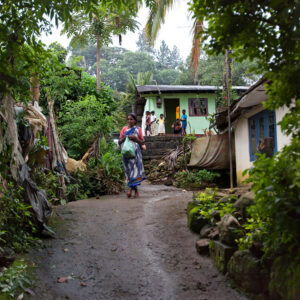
(147, 77)
(156, 18)
(195, 53)
(131, 84)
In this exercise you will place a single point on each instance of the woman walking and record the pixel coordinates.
(133, 167)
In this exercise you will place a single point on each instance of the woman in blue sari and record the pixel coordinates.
(133, 167)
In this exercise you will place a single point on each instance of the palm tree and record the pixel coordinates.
(99, 29)
(156, 17)
(141, 79)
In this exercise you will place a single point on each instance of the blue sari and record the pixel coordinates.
(133, 167)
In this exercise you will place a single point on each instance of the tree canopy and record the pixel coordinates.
(166, 65)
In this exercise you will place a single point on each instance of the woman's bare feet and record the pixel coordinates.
(136, 194)
(129, 193)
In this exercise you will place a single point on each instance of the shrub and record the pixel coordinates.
(104, 175)
(14, 279)
(275, 216)
(16, 224)
(48, 181)
(81, 122)
(209, 206)
(195, 179)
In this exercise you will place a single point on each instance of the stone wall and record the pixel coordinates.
(157, 146)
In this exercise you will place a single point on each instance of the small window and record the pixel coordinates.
(198, 107)
(262, 134)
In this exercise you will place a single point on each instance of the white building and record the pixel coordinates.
(253, 123)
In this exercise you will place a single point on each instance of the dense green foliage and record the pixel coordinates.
(47, 181)
(63, 81)
(196, 179)
(14, 279)
(89, 117)
(275, 218)
(81, 122)
(16, 224)
(20, 26)
(208, 206)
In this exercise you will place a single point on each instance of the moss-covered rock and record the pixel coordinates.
(195, 220)
(7, 256)
(206, 230)
(243, 202)
(220, 253)
(228, 229)
(285, 278)
(247, 272)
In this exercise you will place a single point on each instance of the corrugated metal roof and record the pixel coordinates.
(146, 89)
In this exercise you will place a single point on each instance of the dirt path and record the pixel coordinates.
(128, 249)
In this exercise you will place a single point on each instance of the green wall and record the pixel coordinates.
(195, 124)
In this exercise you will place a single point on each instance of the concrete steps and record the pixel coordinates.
(157, 146)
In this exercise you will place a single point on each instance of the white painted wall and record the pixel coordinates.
(242, 151)
(150, 106)
(282, 139)
(242, 156)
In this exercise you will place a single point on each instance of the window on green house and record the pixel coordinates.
(198, 107)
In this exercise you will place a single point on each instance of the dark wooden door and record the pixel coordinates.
(170, 113)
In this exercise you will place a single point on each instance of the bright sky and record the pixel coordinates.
(175, 31)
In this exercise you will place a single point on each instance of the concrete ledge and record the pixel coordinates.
(157, 146)
(220, 253)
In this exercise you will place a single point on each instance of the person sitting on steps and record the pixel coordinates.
(176, 127)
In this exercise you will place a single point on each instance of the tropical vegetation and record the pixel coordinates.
(271, 38)
(268, 45)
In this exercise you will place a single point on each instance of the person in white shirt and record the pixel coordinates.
(153, 123)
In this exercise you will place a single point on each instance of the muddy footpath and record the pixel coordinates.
(119, 248)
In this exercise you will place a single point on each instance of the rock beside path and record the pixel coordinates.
(202, 246)
(228, 227)
(246, 270)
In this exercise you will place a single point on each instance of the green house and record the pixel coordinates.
(170, 100)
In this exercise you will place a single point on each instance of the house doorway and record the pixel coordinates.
(170, 113)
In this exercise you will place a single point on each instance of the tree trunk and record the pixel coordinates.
(12, 136)
(35, 88)
(98, 64)
(227, 72)
(56, 152)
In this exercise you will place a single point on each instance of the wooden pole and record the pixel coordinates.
(227, 67)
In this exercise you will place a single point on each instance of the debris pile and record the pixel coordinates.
(162, 171)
